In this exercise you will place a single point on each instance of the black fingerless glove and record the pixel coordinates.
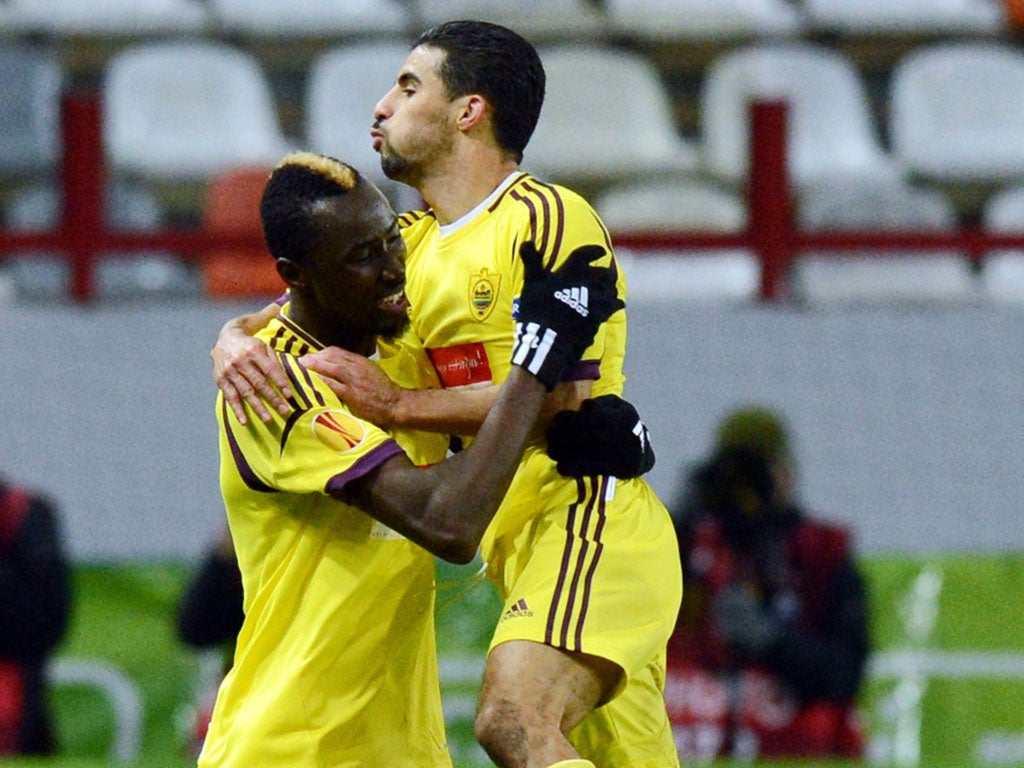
(559, 312)
(604, 437)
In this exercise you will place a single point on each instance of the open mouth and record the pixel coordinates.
(397, 301)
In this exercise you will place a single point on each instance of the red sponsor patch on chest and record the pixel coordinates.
(461, 365)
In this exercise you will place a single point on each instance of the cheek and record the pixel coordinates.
(422, 129)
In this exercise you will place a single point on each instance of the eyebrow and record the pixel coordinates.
(407, 78)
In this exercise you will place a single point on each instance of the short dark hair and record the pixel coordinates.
(499, 64)
(295, 186)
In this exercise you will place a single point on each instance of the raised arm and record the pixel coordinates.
(446, 508)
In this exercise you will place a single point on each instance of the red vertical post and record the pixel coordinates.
(83, 182)
(769, 198)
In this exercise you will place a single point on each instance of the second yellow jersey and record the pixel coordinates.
(463, 280)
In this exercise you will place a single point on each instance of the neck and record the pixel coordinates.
(325, 332)
(458, 184)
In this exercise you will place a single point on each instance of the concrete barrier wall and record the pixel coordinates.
(908, 425)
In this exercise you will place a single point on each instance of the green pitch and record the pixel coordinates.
(961, 620)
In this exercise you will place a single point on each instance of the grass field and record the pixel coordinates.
(124, 616)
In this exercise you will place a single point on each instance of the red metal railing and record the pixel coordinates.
(771, 233)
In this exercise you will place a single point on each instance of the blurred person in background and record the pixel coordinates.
(769, 652)
(35, 605)
(208, 620)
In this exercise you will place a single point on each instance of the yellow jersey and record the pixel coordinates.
(463, 280)
(335, 663)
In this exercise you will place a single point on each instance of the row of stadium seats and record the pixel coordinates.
(192, 110)
(649, 19)
(186, 109)
(679, 206)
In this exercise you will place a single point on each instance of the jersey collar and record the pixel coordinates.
(483, 205)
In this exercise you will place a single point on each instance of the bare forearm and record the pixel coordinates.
(447, 411)
(447, 507)
(462, 411)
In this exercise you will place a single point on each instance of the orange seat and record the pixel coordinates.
(233, 208)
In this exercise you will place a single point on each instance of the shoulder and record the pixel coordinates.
(555, 218)
(411, 222)
(530, 193)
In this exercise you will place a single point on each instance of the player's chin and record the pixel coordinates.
(392, 325)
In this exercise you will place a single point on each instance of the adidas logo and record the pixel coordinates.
(517, 611)
(640, 430)
(575, 298)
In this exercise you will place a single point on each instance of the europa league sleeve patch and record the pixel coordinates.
(338, 430)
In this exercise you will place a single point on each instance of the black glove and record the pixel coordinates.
(604, 437)
(560, 311)
(743, 622)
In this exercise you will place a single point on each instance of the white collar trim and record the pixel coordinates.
(483, 205)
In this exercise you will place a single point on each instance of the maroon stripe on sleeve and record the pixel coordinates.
(307, 377)
(293, 418)
(548, 193)
(287, 322)
(585, 370)
(364, 466)
(246, 472)
(300, 398)
(545, 219)
(508, 189)
(533, 216)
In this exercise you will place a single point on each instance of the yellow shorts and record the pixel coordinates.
(600, 575)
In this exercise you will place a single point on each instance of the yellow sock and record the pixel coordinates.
(576, 762)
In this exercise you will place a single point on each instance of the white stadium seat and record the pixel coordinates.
(29, 110)
(679, 206)
(107, 17)
(913, 16)
(1002, 271)
(537, 20)
(273, 18)
(606, 116)
(830, 131)
(703, 19)
(186, 110)
(957, 114)
(879, 274)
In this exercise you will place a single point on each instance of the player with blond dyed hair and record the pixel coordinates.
(333, 523)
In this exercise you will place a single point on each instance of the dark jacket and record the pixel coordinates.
(35, 606)
(782, 677)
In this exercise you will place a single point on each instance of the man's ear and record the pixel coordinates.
(472, 109)
(293, 274)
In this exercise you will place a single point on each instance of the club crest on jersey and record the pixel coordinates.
(338, 430)
(483, 293)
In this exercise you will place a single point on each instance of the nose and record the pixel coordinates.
(382, 110)
(394, 266)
